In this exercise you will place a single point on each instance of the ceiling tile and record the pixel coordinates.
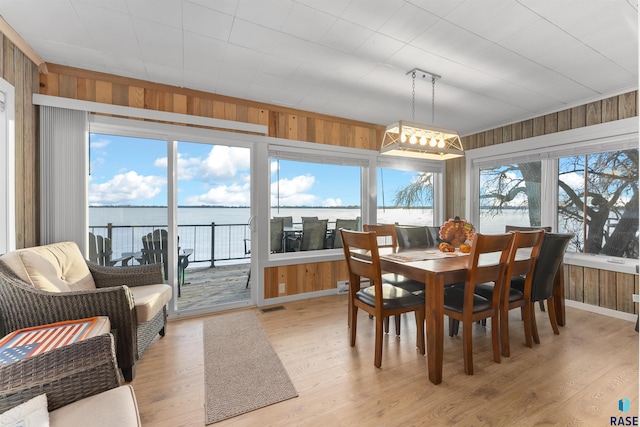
(207, 22)
(307, 23)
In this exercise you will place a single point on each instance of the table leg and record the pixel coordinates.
(435, 328)
(558, 297)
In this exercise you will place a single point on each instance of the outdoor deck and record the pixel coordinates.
(205, 287)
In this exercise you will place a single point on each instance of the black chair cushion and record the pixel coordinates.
(405, 283)
(393, 297)
(485, 290)
(454, 299)
(517, 283)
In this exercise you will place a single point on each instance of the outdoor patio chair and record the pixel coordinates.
(100, 251)
(347, 224)
(313, 236)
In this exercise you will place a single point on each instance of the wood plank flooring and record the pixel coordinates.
(575, 378)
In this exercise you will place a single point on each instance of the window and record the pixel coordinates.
(598, 202)
(302, 190)
(509, 195)
(583, 181)
(405, 197)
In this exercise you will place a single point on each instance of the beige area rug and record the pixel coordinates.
(242, 370)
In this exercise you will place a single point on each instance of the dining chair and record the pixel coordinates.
(434, 231)
(379, 299)
(412, 236)
(520, 264)
(547, 229)
(546, 275)
(386, 238)
(487, 263)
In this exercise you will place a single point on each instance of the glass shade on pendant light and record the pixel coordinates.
(439, 144)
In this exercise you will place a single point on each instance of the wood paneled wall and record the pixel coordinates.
(19, 71)
(282, 123)
(304, 126)
(589, 285)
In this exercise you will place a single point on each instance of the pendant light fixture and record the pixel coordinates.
(411, 139)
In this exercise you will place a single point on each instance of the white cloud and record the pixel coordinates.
(573, 180)
(225, 162)
(228, 195)
(331, 202)
(126, 188)
(99, 143)
(294, 191)
(222, 162)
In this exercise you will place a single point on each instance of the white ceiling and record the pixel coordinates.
(501, 61)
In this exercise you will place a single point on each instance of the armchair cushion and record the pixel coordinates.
(149, 300)
(58, 267)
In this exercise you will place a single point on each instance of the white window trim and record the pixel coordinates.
(7, 175)
(619, 134)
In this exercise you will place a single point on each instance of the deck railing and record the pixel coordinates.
(210, 242)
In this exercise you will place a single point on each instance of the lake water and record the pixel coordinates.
(101, 216)
(230, 231)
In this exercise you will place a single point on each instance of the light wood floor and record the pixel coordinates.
(575, 378)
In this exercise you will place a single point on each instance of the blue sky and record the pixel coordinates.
(132, 171)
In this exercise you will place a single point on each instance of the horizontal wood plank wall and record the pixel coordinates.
(282, 123)
(588, 285)
(19, 71)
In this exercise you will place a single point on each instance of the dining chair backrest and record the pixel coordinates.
(547, 267)
(385, 234)
(347, 224)
(353, 243)
(314, 232)
(522, 259)
(306, 218)
(287, 221)
(508, 228)
(434, 230)
(411, 236)
(487, 263)
(277, 234)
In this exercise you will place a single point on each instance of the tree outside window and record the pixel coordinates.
(598, 202)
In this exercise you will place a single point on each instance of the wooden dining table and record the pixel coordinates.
(436, 270)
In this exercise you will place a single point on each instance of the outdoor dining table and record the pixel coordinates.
(436, 270)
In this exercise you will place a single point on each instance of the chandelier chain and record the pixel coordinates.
(413, 97)
(433, 99)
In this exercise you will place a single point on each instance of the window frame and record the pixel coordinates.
(369, 161)
(605, 137)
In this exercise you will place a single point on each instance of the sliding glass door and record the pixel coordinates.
(214, 239)
(137, 214)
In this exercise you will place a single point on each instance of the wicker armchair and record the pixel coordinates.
(22, 305)
(66, 374)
